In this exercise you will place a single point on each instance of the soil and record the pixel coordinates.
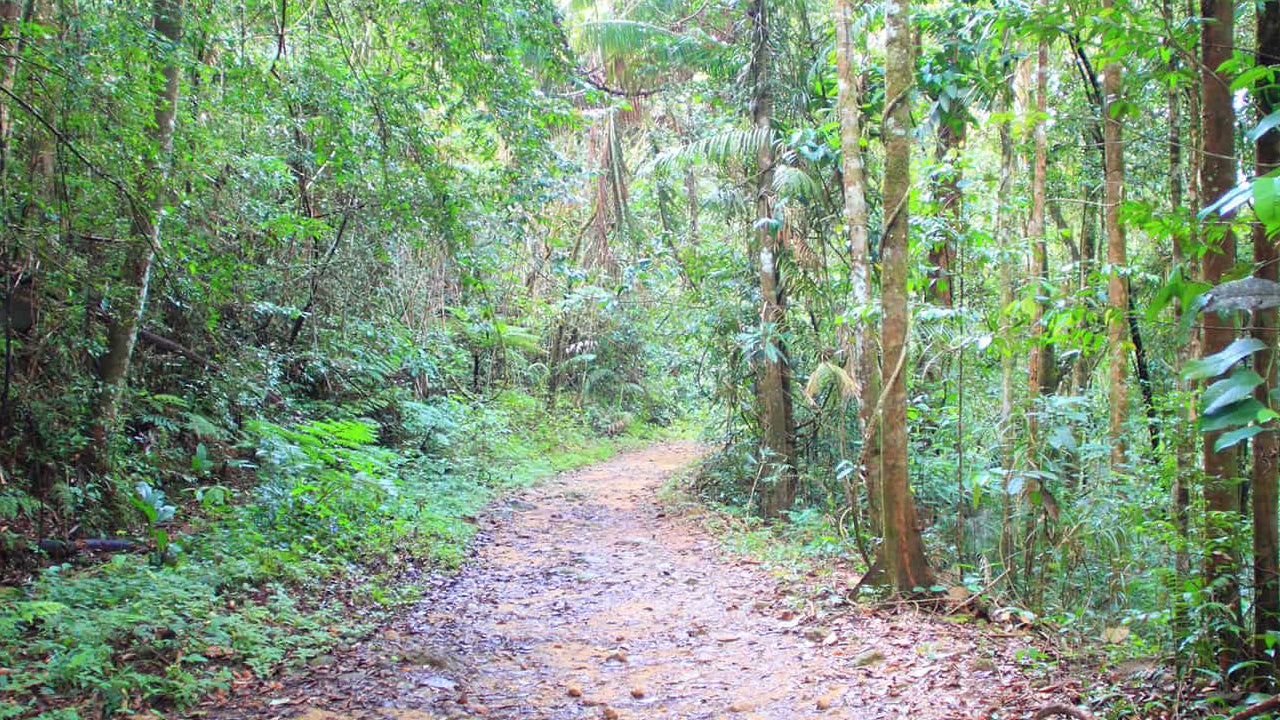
(587, 598)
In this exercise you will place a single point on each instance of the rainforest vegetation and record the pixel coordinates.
(976, 296)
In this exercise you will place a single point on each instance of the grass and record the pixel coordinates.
(807, 545)
(311, 557)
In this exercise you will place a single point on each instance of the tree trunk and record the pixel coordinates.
(1037, 279)
(126, 315)
(1088, 254)
(10, 16)
(1008, 361)
(1183, 450)
(942, 254)
(1217, 176)
(1266, 544)
(1117, 287)
(860, 344)
(905, 563)
(691, 195)
(778, 422)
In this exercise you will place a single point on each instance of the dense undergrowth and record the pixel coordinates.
(256, 545)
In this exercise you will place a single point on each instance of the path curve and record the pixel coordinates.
(586, 599)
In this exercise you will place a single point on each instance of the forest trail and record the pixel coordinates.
(588, 599)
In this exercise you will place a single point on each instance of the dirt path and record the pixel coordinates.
(585, 600)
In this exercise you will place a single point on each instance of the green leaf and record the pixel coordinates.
(1231, 438)
(1229, 202)
(1250, 77)
(1166, 293)
(1221, 361)
(1231, 389)
(1266, 203)
(1241, 413)
(1264, 126)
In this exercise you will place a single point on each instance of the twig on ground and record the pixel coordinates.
(1271, 703)
(1049, 711)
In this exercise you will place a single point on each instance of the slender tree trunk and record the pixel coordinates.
(10, 16)
(1008, 361)
(905, 562)
(126, 315)
(775, 383)
(860, 344)
(691, 200)
(1217, 176)
(1187, 451)
(1183, 451)
(1117, 286)
(1037, 279)
(1266, 543)
(1089, 197)
(942, 254)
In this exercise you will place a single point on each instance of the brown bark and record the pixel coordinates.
(942, 254)
(10, 16)
(122, 332)
(1117, 287)
(1266, 542)
(777, 419)
(1008, 361)
(905, 562)
(859, 340)
(1217, 176)
(1180, 493)
(1037, 271)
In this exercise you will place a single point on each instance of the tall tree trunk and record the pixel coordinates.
(1266, 544)
(905, 563)
(860, 343)
(1117, 287)
(1217, 176)
(10, 16)
(1008, 361)
(778, 421)
(129, 306)
(1037, 279)
(1184, 452)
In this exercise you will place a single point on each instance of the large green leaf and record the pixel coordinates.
(1221, 361)
(1264, 126)
(1241, 413)
(1266, 202)
(1231, 438)
(1231, 389)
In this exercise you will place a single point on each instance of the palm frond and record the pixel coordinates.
(828, 372)
(725, 146)
(797, 183)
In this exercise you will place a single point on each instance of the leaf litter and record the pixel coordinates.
(585, 599)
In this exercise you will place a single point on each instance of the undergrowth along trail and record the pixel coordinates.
(588, 597)
(336, 530)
